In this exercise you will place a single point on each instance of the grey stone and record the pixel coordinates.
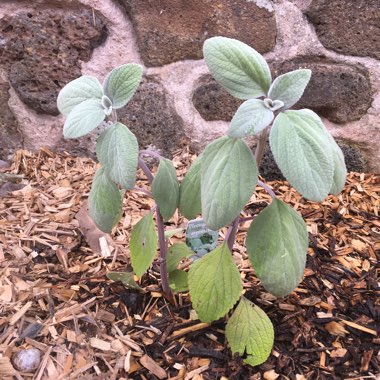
(41, 50)
(354, 158)
(347, 26)
(10, 138)
(338, 91)
(212, 101)
(152, 118)
(172, 30)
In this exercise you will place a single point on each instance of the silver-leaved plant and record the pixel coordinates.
(217, 186)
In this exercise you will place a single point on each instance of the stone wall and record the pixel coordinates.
(46, 43)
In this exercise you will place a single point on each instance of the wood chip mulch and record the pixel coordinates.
(56, 299)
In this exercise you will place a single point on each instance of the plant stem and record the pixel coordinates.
(267, 188)
(247, 219)
(142, 190)
(146, 170)
(163, 255)
(151, 153)
(231, 233)
(161, 241)
(113, 117)
(261, 144)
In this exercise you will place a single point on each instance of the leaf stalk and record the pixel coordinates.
(267, 189)
(163, 256)
(261, 144)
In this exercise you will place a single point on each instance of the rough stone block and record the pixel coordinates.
(338, 91)
(151, 116)
(347, 26)
(10, 138)
(41, 50)
(172, 30)
(212, 101)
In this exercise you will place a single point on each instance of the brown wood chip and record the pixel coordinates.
(147, 362)
(55, 296)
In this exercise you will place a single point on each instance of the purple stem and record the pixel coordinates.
(151, 153)
(260, 147)
(247, 219)
(161, 241)
(267, 189)
(231, 233)
(146, 170)
(163, 255)
(113, 117)
(142, 190)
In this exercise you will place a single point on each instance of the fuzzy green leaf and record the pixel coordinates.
(125, 277)
(250, 119)
(249, 331)
(85, 117)
(214, 284)
(190, 191)
(340, 170)
(228, 178)
(77, 91)
(277, 243)
(105, 201)
(121, 84)
(172, 232)
(178, 280)
(165, 188)
(118, 150)
(176, 253)
(289, 87)
(143, 244)
(303, 153)
(241, 70)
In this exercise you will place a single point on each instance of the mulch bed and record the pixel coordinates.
(55, 296)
